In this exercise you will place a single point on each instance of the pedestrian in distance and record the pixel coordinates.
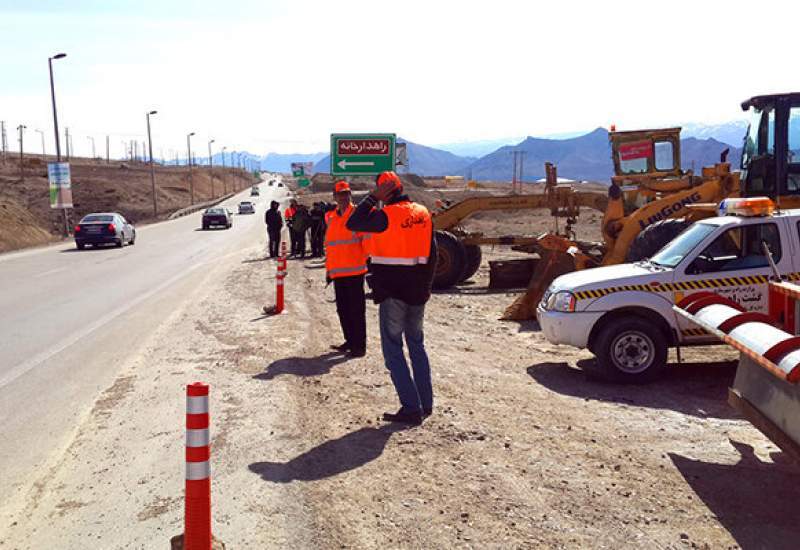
(402, 253)
(274, 221)
(301, 222)
(288, 215)
(317, 230)
(346, 265)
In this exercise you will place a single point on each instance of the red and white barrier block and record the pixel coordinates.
(765, 390)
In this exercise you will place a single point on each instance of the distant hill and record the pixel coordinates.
(586, 157)
(731, 133)
(422, 160)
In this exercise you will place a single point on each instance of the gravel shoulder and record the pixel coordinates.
(521, 452)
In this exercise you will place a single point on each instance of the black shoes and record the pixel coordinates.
(414, 417)
(341, 347)
(427, 412)
(356, 353)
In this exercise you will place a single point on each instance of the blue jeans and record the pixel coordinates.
(397, 318)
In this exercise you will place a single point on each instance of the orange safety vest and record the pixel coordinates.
(289, 213)
(344, 251)
(407, 239)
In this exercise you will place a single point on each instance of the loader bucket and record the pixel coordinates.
(552, 264)
(770, 403)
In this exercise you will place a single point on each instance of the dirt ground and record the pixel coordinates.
(521, 451)
(26, 218)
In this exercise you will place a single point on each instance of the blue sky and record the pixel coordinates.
(280, 76)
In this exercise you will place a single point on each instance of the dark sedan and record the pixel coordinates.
(104, 228)
(219, 217)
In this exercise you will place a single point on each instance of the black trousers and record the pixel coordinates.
(292, 242)
(274, 242)
(352, 309)
(299, 246)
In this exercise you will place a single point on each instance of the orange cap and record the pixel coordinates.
(390, 178)
(341, 187)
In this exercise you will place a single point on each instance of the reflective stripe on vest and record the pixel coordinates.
(344, 251)
(407, 239)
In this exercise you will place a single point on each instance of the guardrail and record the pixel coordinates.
(199, 206)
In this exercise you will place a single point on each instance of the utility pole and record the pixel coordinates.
(152, 168)
(108, 152)
(189, 161)
(211, 168)
(44, 151)
(224, 175)
(21, 129)
(3, 138)
(521, 168)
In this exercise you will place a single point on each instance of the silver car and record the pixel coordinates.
(247, 207)
(104, 228)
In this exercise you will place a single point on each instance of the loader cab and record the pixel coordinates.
(646, 154)
(771, 154)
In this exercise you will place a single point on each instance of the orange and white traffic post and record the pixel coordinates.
(197, 516)
(280, 275)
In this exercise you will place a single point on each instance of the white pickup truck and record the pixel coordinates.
(623, 313)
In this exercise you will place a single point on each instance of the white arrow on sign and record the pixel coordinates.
(345, 163)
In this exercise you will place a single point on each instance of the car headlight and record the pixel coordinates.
(563, 301)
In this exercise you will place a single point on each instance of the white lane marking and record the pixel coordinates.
(52, 271)
(20, 369)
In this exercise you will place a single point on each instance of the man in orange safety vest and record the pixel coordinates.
(402, 253)
(346, 265)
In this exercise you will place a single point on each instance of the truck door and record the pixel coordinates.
(734, 265)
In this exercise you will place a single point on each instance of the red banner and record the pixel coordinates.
(636, 150)
(363, 147)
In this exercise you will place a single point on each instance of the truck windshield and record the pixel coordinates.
(677, 249)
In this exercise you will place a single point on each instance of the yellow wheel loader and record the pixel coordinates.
(649, 202)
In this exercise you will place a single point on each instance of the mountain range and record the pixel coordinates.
(580, 157)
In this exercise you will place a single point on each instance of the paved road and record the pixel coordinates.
(70, 319)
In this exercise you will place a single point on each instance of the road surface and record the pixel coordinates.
(71, 318)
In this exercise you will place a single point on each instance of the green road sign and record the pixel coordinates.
(362, 154)
(303, 182)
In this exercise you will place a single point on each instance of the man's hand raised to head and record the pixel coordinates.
(383, 192)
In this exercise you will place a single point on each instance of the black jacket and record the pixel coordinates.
(273, 219)
(409, 283)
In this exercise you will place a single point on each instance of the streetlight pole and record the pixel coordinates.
(21, 129)
(224, 175)
(211, 168)
(53, 97)
(152, 168)
(44, 152)
(189, 160)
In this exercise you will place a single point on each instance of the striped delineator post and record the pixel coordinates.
(197, 518)
(279, 279)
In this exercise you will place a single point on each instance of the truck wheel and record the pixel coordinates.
(631, 350)
(472, 262)
(654, 237)
(451, 260)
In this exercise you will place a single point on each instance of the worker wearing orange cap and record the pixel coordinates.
(402, 254)
(346, 265)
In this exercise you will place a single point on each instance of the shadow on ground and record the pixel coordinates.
(754, 500)
(349, 452)
(697, 389)
(303, 366)
(468, 290)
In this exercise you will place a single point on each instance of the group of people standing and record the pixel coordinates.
(301, 222)
(389, 238)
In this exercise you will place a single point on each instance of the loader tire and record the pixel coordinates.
(654, 237)
(451, 260)
(472, 262)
